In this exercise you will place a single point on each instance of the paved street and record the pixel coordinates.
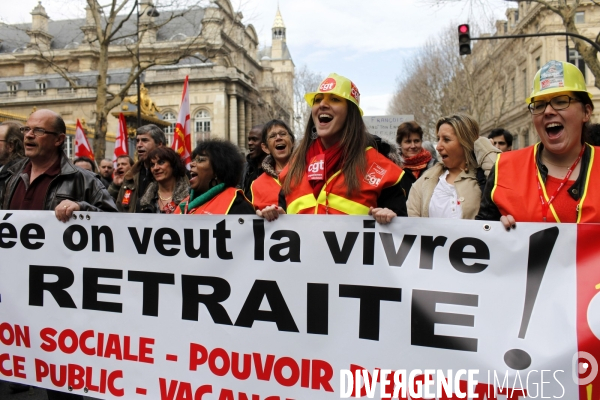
(32, 394)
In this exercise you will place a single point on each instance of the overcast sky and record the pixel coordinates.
(365, 40)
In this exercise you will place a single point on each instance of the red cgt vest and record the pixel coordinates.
(220, 204)
(381, 173)
(265, 191)
(516, 190)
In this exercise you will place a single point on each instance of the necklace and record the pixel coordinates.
(166, 198)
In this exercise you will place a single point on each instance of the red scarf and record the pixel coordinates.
(417, 162)
(333, 157)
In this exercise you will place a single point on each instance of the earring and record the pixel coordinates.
(213, 182)
(313, 133)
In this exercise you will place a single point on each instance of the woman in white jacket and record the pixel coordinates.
(452, 188)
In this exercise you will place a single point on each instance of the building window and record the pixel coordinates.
(515, 145)
(576, 59)
(201, 126)
(526, 139)
(525, 83)
(41, 87)
(514, 90)
(580, 17)
(69, 140)
(538, 64)
(169, 130)
(12, 89)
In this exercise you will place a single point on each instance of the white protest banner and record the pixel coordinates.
(385, 126)
(119, 306)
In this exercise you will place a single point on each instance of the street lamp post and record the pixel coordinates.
(152, 12)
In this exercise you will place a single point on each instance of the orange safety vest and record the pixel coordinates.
(516, 193)
(220, 204)
(381, 174)
(265, 191)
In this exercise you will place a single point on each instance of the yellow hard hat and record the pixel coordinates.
(557, 77)
(338, 85)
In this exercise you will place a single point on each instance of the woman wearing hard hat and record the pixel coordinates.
(452, 188)
(336, 169)
(549, 181)
(278, 143)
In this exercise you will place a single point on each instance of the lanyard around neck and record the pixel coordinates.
(546, 205)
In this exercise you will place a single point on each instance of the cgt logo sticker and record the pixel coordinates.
(354, 92)
(327, 85)
(374, 175)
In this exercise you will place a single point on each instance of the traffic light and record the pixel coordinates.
(464, 39)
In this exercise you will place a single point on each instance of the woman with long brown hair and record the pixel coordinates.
(336, 169)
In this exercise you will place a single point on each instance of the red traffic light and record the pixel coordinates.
(464, 39)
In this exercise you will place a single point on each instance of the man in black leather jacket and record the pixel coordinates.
(46, 180)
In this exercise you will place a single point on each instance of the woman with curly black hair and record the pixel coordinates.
(214, 172)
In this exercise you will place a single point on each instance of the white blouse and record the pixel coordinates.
(444, 201)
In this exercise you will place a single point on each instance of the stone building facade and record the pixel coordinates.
(507, 66)
(234, 83)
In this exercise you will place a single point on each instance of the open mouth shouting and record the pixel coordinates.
(325, 118)
(554, 129)
(193, 177)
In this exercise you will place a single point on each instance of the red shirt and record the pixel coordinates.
(564, 205)
(31, 196)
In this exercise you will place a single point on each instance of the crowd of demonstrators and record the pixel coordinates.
(554, 180)
(278, 143)
(106, 170)
(452, 188)
(136, 180)
(415, 159)
(336, 169)
(214, 173)
(254, 159)
(170, 185)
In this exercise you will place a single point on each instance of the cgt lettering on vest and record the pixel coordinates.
(56, 281)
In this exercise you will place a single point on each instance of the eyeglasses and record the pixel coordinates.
(557, 103)
(36, 131)
(281, 134)
(198, 159)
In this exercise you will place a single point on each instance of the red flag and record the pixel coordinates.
(182, 140)
(121, 142)
(82, 146)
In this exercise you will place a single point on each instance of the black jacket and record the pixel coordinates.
(252, 170)
(71, 183)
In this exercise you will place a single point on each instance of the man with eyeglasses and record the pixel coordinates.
(46, 180)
